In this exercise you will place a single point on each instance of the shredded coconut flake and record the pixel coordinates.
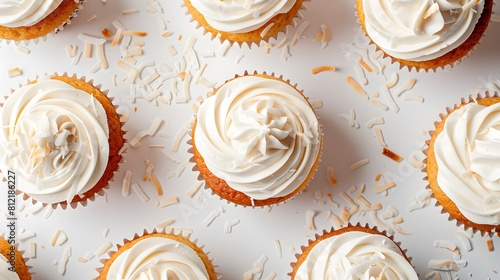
(25, 234)
(23, 49)
(140, 192)
(375, 121)
(445, 244)
(310, 219)
(384, 187)
(264, 32)
(103, 249)
(14, 72)
(335, 220)
(392, 155)
(360, 74)
(464, 238)
(393, 81)
(378, 223)
(32, 250)
(489, 245)
(156, 183)
(357, 88)
(271, 276)
(126, 183)
(415, 162)
(443, 265)
(407, 86)
(325, 35)
(223, 48)
(359, 163)
(413, 97)
(379, 105)
(194, 188)
(298, 34)
(379, 136)
(323, 68)
(355, 207)
(168, 201)
(64, 260)
(102, 56)
(87, 39)
(391, 103)
(165, 223)
(285, 53)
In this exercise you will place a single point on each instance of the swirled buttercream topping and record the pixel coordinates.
(5, 270)
(17, 13)
(55, 137)
(258, 134)
(420, 29)
(468, 155)
(157, 258)
(355, 255)
(239, 16)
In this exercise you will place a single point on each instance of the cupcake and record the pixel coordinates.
(243, 21)
(256, 140)
(352, 252)
(158, 255)
(12, 264)
(32, 19)
(463, 168)
(425, 34)
(62, 138)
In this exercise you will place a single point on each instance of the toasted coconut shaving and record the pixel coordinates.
(390, 154)
(357, 88)
(323, 68)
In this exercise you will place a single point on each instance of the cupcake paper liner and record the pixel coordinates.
(92, 194)
(450, 209)
(183, 235)
(251, 202)
(218, 35)
(469, 45)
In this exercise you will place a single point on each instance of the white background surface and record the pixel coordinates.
(234, 253)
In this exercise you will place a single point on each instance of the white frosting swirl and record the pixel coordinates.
(355, 255)
(5, 272)
(239, 16)
(468, 155)
(157, 258)
(56, 138)
(258, 134)
(17, 13)
(420, 29)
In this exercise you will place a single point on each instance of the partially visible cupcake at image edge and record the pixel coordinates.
(62, 137)
(352, 252)
(463, 163)
(12, 263)
(33, 19)
(244, 21)
(256, 140)
(158, 255)
(425, 34)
